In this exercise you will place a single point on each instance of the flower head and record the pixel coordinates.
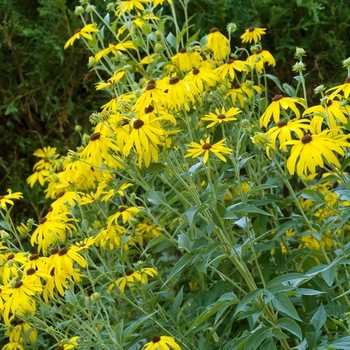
(218, 44)
(221, 117)
(252, 34)
(84, 32)
(7, 198)
(205, 147)
(161, 342)
(274, 109)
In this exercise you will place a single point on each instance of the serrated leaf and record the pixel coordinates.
(291, 326)
(283, 304)
(319, 318)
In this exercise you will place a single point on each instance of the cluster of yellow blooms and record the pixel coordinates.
(138, 126)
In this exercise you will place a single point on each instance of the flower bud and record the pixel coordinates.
(78, 128)
(79, 10)
(319, 89)
(299, 67)
(92, 61)
(346, 63)
(231, 27)
(90, 8)
(299, 52)
(158, 47)
(110, 7)
(260, 139)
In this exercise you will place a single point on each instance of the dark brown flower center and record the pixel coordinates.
(54, 251)
(63, 251)
(121, 209)
(329, 103)
(1, 197)
(155, 339)
(258, 51)
(18, 284)
(277, 97)
(42, 221)
(207, 146)
(31, 271)
(221, 116)
(347, 80)
(61, 194)
(214, 30)
(204, 58)
(10, 257)
(183, 50)
(282, 123)
(230, 61)
(149, 109)
(34, 257)
(251, 29)
(61, 347)
(129, 272)
(150, 86)
(52, 272)
(77, 31)
(195, 71)
(306, 139)
(95, 136)
(138, 124)
(174, 80)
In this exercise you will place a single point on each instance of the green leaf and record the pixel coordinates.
(247, 208)
(308, 291)
(283, 304)
(156, 197)
(155, 168)
(257, 338)
(133, 326)
(5, 225)
(171, 39)
(291, 326)
(227, 299)
(329, 276)
(191, 212)
(184, 261)
(178, 300)
(275, 80)
(193, 37)
(319, 318)
(246, 300)
(185, 241)
(292, 278)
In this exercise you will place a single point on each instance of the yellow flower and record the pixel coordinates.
(19, 331)
(223, 116)
(333, 110)
(259, 58)
(111, 81)
(40, 175)
(161, 343)
(310, 150)
(201, 77)
(82, 32)
(130, 4)
(71, 344)
(218, 44)
(283, 131)
(139, 22)
(49, 161)
(184, 60)
(145, 133)
(7, 198)
(112, 237)
(345, 88)
(179, 91)
(20, 295)
(206, 148)
(13, 346)
(125, 213)
(146, 231)
(98, 149)
(274, 109)
(132, 276)
(160, 2)
(252, 34)
(115, 48)
(238, 92)
(229, 68)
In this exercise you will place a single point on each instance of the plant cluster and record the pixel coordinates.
(198, 213)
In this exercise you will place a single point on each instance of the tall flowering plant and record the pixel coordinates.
(201, 211)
